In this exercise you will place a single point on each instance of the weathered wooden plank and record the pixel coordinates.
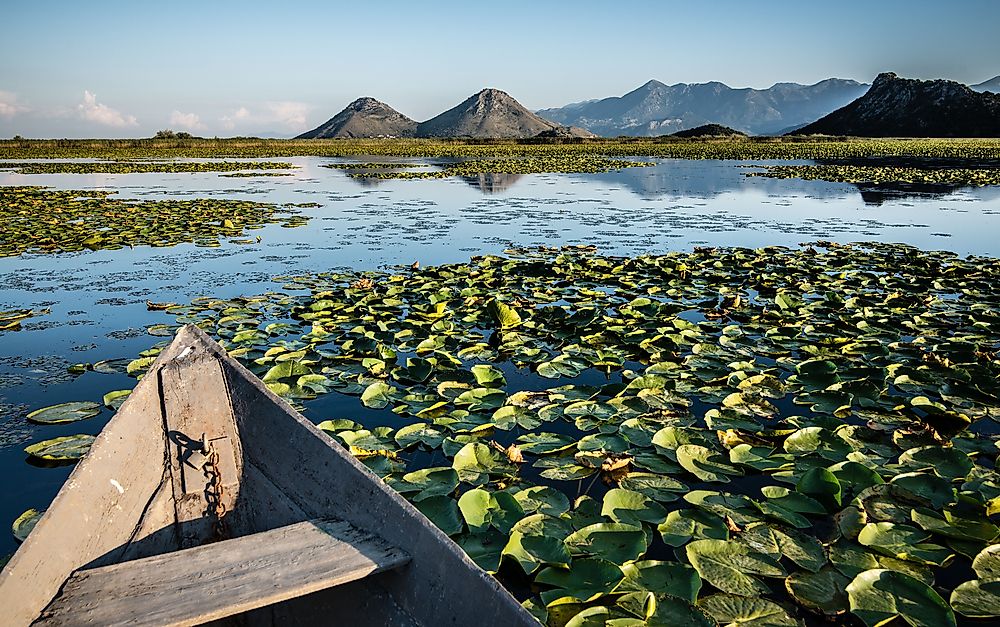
(210, 582)
(195, 405)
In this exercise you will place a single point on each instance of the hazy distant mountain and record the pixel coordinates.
(659, 109)
(991, 85)
(900, 107)
(489, 114)
(709, 130)
(365, 117)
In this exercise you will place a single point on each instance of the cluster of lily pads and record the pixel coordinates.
(140, 167)
(722, 436)
(44, 220)
(524, 165)
(742, 149)
(972, 177)
(370, 165)
(247, 175)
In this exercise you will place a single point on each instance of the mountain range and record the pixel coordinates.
(901, 107)
(490, 113)
(659, 109)
(833, 106)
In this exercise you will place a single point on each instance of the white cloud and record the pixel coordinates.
(94, 111)
(187, 121)
(288, 114)
(9, 106)
(291, 114)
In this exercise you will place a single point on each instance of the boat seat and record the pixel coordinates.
(213, 581)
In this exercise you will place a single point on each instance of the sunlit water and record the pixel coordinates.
(98, 299)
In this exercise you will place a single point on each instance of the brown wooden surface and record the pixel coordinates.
(209, 582)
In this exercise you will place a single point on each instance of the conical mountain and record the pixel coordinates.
(365, 117)
(900, 107)
(489, 114)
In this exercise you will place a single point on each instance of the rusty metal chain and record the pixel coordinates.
(215, 491)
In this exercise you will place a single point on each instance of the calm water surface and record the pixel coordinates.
(98, 299)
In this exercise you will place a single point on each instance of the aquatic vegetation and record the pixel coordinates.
(43, 220)
(247, 175)
(754, 148)
(973, 177)
(65, 412)
(369, 165)
(69, 448)
(24, 523)
(11, 320)
(764, 434)
(524, 165)
(140, 167)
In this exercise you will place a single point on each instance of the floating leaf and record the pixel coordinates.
(65, 412)
(634, 508)
(729, 566)
(587, 579)
(377, 395)
(679, 580)
(823, 591)
(730, 609)
(67, 448)
(24, 523)
(876, 596)
(615, 542)
(443, 512)
(704, 463)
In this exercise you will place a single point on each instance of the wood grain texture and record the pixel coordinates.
(210, 582)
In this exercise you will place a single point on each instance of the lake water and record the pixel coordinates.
(98, 299)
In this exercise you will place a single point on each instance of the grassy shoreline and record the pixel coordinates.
(667, 147)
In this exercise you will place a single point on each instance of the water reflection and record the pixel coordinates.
(492, 183)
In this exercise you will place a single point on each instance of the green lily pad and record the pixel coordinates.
(64, 413)
(823, 591)
(822, 485)
(67, 448)
(704, 463)
(443, 512)
(633, 508)
(876, 596)
(488, 376)
(614, 542)
(427, 482)
(987, 562)
(378, 395)
(730, 566)
(655, 609)
(657, 487)
(587, 579)
(903, 542)
(484, 548)
(805, 550)
(482, 509)
(731, 609)
(24, 523)
(475, 462)
(948, 463)
(977, 598)
(542, 500)
(684, 524)
(679, 580)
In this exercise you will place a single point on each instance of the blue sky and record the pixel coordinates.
(126, 69)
